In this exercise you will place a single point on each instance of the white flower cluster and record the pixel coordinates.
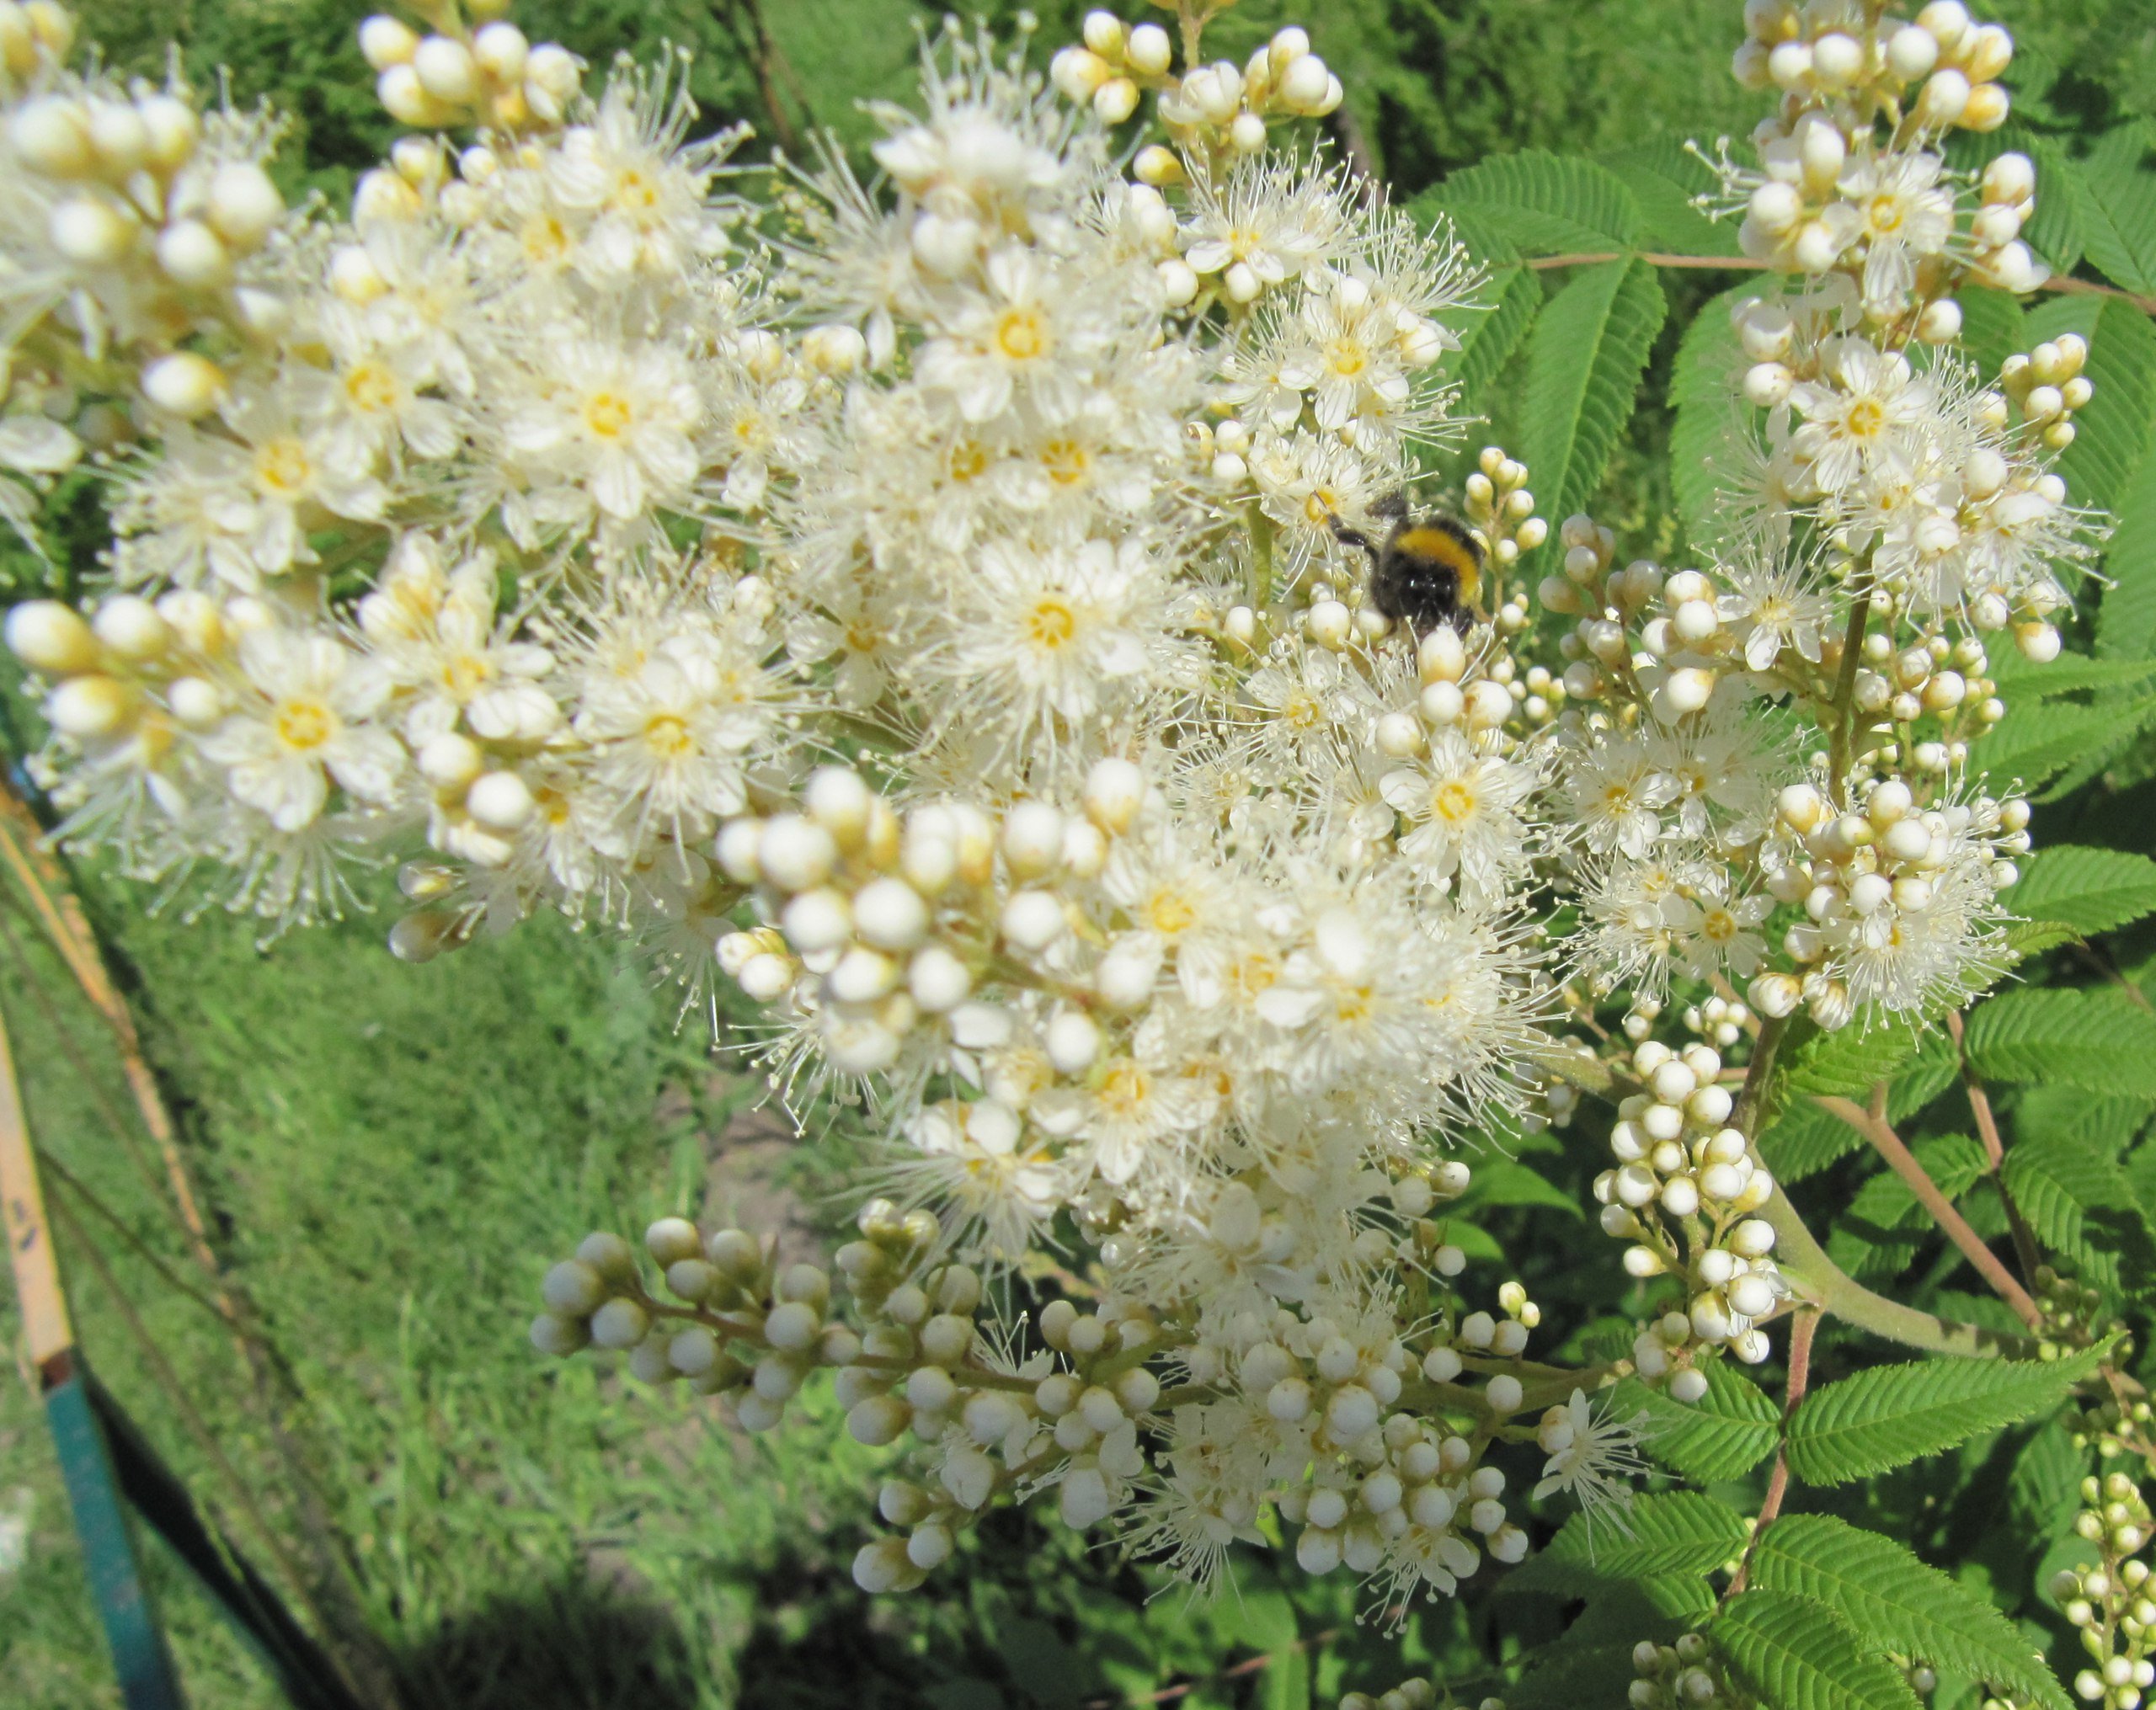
(1830, 192)
(934, 602)
(1310, 1414)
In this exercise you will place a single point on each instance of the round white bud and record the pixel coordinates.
(183, 384)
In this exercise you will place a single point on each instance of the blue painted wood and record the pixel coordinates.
(139, 1656)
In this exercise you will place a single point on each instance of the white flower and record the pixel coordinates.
(1464, 805)
(1049, 637)
(1775, 603)
(1592, 1452)
(1618, 790)
(1906, 212)
(618, 422)
(303, 724)
(1132, 1107)
(1000, 1186)
(1025, 335)
(1860, 418)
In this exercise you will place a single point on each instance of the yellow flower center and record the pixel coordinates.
(1885, 213)
(667, 736)
(280, 467)
(1066, 462)
(1321, 507)
(1170, 914)
(1453, 801)
(634, 193)
(607, 414)
(1302, 710)
(1347, 358)
(1021, 335)
(1051, 624)
(372, 387)
(546, 239)
(464, 674)
(1124, 1088)
(1718, 926)
(969, 461)
(1866, 419)
(304, 725)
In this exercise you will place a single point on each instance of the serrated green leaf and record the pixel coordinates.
(2039, 739)
(2072, 673)
(2126, 613)
(1803, 1140)
(1854, 1059)
(1584, 361)
(2115, 201)
(1936, 1066)
(1549, 204)
(1663, 177)
(2113, 433)
(1990, 326)
(1681, 1532)
(2063, 1185)
(2096, 1041)
(2091, 890)
(1573, 1674)
(1503, 1181)
(1794, 1653)
(1885, 1226)
(1724, 1434)
(1489, 337)
(1705, 421)
(1893, 1414)
(1897, 1603)
(2044, 1489)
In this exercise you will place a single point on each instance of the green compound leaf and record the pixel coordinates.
(1664, 177)
(1707, 423)
(2069, 1193)
(1892, 1414)
(1795, 1653)
(1853, 1060)
(1724, 1434)
(2091, 890)
(1487, 339)
(1548, 204)
(1680, 1533)
(2113, 194)
(1584, 366)
(2126, 614)
(2091, 1040)
(1897, 1603)
(1885, 1227)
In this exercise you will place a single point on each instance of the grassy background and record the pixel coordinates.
(390, 1156)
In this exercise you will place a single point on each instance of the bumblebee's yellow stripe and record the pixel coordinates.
(1442, 546)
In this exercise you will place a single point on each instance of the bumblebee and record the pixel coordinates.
(1426, 571)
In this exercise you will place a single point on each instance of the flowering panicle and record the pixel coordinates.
(932, 598)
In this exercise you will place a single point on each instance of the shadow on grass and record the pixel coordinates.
(573, 1645)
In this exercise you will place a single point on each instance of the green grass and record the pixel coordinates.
(393, 1156)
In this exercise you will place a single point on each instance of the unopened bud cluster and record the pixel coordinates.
(2112, 1604)
(1681, 1675)
(1219, 110)
(490, 73)
(1684, 1192)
